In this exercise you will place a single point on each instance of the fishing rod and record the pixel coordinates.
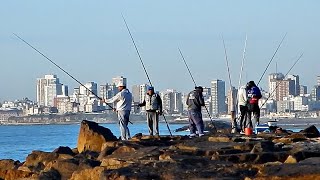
(242, 62)
(72, 77)
(241, 70)
(144, 68)
(274, 54)
(227, 62)
(233, 121)
(282, 81)
(196, 86)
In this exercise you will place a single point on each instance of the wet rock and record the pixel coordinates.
(37, 160)
(220, 139)
(7, 164)
(64, 150)
(64, 167)
(311, 132)
(291, 160)
(52, 174)
(95, 173)
(92, 136)
(15, 174)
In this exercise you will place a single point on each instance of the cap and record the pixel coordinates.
(121, 82)
(151, 88)
(199, 87)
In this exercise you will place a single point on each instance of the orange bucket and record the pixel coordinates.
(248, 131)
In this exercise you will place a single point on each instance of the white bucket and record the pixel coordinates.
(272, 123)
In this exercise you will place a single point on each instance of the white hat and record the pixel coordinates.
(122, 82)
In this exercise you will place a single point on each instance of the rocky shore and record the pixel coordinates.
(217, 155)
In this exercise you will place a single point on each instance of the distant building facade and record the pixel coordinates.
(218, 97)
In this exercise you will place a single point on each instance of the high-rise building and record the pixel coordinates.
(315, 93)
(303, 90)
(171, 101)
(273, 80)
(318, 80)
(218, 97)
(116, 80)
(107, 91)
(285, 88)
(136, 93)
(47, 89)
(143, 91)
(295, 79)
(89, 89)
(231, 99)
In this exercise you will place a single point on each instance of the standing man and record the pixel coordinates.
(153, 104)
(195, 101)
(254, 94)
(123, 101)
(242, 102)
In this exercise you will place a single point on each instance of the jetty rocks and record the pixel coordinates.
(220, 155)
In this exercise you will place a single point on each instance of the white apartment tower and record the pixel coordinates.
(218, 96)
(48, 88)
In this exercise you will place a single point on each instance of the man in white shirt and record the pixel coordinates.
(242, 102)
(123, 101)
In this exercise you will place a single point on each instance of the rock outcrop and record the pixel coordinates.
(213, 156)
(92, 136)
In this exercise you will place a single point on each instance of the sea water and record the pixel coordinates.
(16, 142)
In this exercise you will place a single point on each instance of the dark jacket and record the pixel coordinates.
(254, 94)
(195, 100)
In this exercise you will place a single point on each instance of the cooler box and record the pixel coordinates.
(261, 128)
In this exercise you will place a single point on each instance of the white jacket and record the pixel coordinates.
(242, 96)
(123, 100)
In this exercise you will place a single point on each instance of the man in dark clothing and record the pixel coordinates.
(153, 104)
(254, 94)
(195, 101)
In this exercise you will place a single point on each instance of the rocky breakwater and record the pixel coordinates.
(221, 155)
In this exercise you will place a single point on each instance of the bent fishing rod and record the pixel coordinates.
(195, 84)
(144, 68)
(282, 81)
(274, 54)
(72, 77)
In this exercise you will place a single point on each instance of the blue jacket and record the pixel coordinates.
(254, 94)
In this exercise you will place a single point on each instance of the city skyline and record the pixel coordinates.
(90, 41)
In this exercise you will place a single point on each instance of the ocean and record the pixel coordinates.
(16, 142)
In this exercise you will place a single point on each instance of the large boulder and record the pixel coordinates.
(92, 136)
(7, 164)
(311, 132)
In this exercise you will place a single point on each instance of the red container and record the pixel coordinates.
(248, 131)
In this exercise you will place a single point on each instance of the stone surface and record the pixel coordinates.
(7, 164)
(92, 136)
(311, 132)
(214, 156)
(64, 150)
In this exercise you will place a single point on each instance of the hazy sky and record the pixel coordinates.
(89, 40)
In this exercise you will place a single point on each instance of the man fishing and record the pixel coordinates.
(123, 108)
(153, 104)
(242, 102)
(254, 94)
(195, 101)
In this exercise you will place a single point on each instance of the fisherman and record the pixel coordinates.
(153, 104)
(254, 94)
(195, 101)
(123, 101)
(242, 102)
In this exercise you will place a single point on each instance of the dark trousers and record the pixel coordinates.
(195, 122)
(253, 109)
(243, 117)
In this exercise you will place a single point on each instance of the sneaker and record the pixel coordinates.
(192, 135)
(201, 135)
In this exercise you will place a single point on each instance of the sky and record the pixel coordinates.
(90, 41)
